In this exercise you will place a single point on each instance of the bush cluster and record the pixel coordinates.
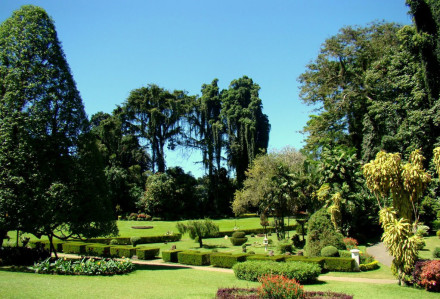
(278, 286)
(284, 247)
(253, 270)
(84, 267)
(350, 243)
(320, 261)
(426, 274)
(193, 258)
(321, 233)
(436, 252)
(22, 256)
(252, 293)
(225, 260)
(75, 247)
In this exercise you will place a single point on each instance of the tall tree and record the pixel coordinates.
(43, 117)
(157, 114)
(247, 127)
(125, 159)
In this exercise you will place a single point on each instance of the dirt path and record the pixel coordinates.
(380, 253)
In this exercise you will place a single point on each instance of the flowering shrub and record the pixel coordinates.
(427, 275)
(350, 243)
(84, 267)
(278, 286)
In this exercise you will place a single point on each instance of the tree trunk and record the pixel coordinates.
(51, 246)
(200, 242)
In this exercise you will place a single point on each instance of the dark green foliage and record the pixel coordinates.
(436, 252)
(22, 256)
(321, 233)
(224, 260)
(329, 251)
(170, 255)
(98, 250)
(143, 240)
(252, 270)
(147, 253)
(75, 247)
(193, 258)
(263, 257)
(122, 251)
(125, 160)
(247, 127)
(339, 264)
(135, 241)
(156, 114)
(52, 180)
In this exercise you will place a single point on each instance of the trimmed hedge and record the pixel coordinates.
(147, 253)
(320, 261)
(227, 260)
(193, 258)
(170, 255)
(44, 244)
(75, 247)
(98, 250)
(122, 251)
(370, 266)
(339, 264)
(262, 257)
(252, 270)
(330, 251)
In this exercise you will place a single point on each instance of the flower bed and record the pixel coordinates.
(84, 267)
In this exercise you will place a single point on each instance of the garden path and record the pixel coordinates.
(380, 253)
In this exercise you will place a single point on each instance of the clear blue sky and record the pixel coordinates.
(115, 46)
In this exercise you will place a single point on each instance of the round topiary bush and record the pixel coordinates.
(238, 238)
(321, 233)
(436, 252)
(330, 251)
(238, 234)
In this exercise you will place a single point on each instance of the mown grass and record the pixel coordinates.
(431, 243)
(165, 282)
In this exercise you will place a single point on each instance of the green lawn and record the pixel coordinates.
(431, 243)
(162, 282)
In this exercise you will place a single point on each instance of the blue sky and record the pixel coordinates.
(115, 46)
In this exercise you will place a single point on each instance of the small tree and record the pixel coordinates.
(198, 229)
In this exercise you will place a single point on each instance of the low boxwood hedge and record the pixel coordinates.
(193, 258)
(145, 253)
(339, 264)
(227, 260)
(75, 247)
(263, 257)
(170, 255)
(44, 244)
(98, 250)
(252, 270)
(122, 251)
(313, 260)
(370, 266)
